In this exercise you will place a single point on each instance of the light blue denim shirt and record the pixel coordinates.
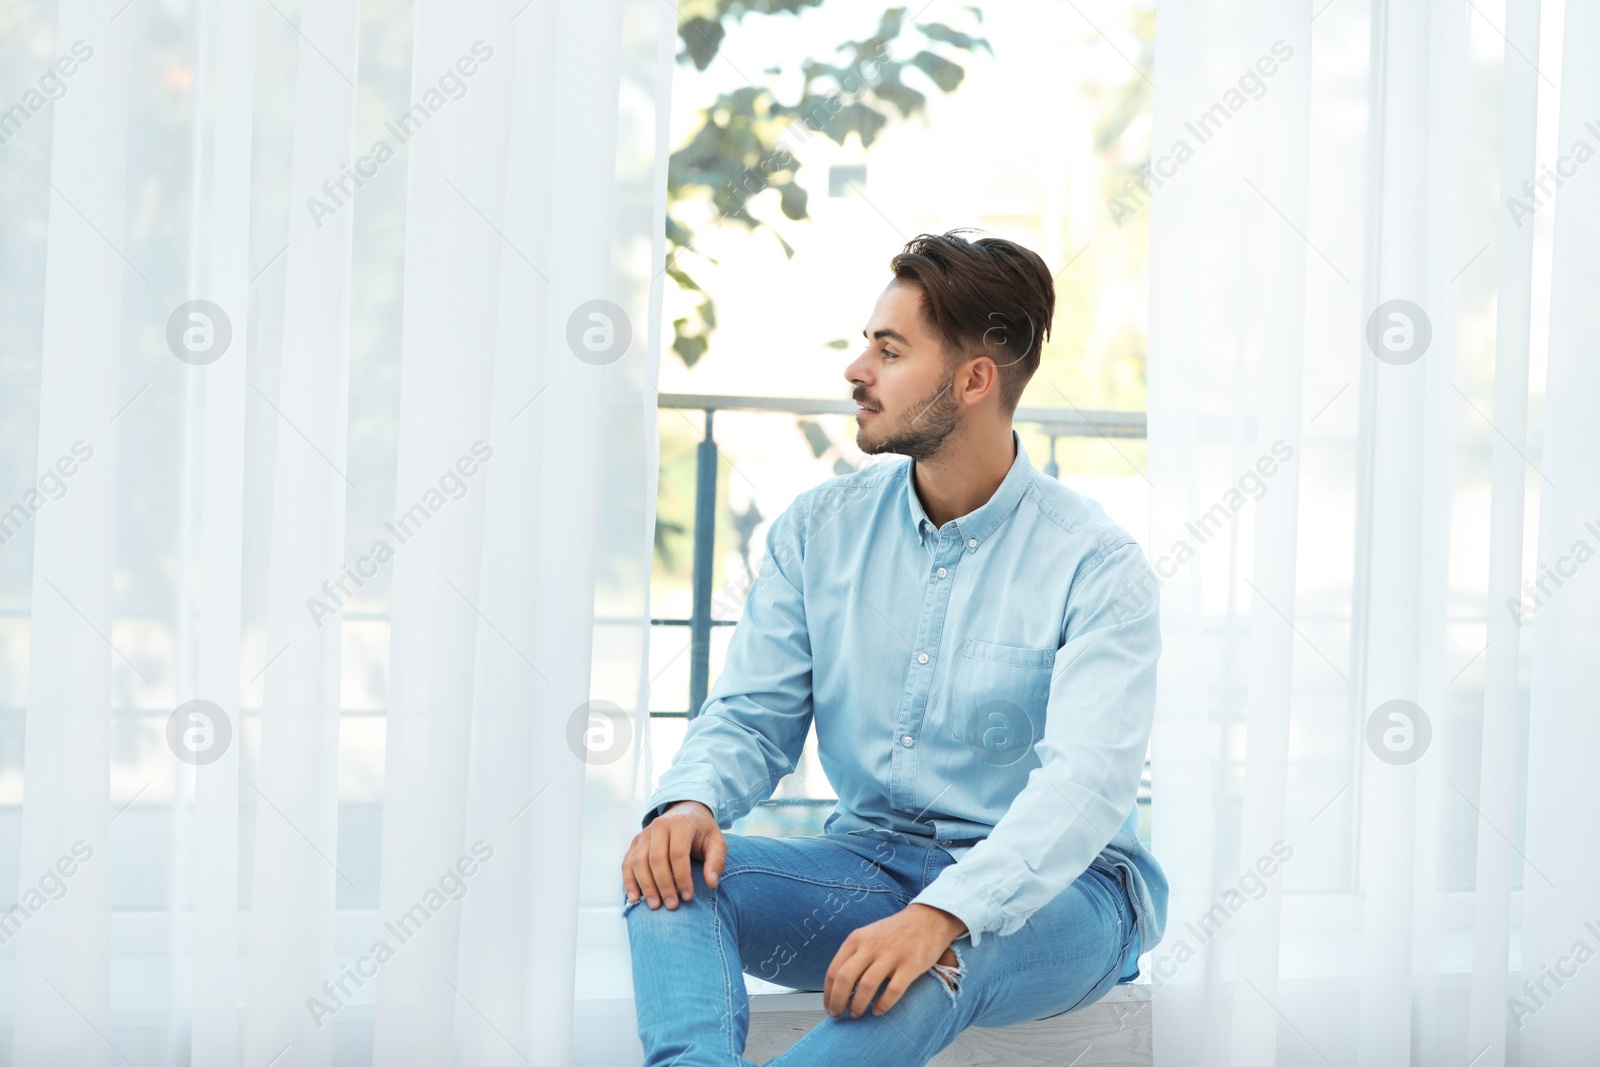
(987, 686)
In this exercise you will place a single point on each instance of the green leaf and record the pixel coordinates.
(890, 24)
(677, 274)
(689, 348)
(938, 31)
(701, 39)
(816, 437)
(663, 548)
(793, 200)
(902, 96)
(945, 74)
(837, 342)
(857, 118)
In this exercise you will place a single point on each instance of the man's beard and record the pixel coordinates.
(931, 422)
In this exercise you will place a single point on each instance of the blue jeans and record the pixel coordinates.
(784, 906)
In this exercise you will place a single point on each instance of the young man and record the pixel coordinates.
(976, 644)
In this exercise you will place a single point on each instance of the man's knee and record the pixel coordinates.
(733, 860)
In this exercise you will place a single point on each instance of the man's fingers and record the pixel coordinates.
(682, 873)
(643, 877)
(841, 979)
(891, 996)
(660, 863)
(716, 855)
(661, 868)
(867, 986)
(630, 884)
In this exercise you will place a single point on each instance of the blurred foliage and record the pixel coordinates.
(743, 146)
(821, 443)
(1091, 360)
(1121, 107)
(1135, 97)
(680, 435)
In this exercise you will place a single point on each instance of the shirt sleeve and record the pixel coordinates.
(1096, 734)
(752, 729)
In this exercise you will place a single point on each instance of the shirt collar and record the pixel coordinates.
(977, 525)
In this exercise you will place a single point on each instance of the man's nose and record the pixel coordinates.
(854, 373)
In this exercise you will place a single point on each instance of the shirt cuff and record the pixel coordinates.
(972, 904)
(663, 798)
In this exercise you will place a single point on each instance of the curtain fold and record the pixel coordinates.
(452, 256)
(225, 47)
(296, 785)
(501, 942)
(1182, 745)
(1560, 1006)
(1275, 155)
(1502, 714)
(61, 950)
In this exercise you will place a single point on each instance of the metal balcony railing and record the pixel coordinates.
(1056, 423)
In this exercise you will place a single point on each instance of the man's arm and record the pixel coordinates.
(1097, 730)
(753, 727)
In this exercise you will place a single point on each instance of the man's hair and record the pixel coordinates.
(990, 296)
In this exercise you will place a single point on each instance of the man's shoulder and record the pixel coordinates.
(1080, 519)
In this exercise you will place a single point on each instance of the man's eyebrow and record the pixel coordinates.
(878, 335)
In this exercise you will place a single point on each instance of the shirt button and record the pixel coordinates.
(972, 542)
(941, 572)
(922, 657)
(907, 741)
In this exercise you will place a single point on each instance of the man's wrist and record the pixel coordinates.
(671, 804)
(665, 806)
(956, 926)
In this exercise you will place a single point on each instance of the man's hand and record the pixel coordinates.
(657, 863)
(900, 949)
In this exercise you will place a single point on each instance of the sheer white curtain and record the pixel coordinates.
(383, 502)
(1375, 522)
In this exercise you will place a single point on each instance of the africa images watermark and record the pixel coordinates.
(454, 481)
(52, 85)
(452, 887)
(52, 887)
(784, 952)
(1251, 85)
(52, 486)
(1552, 576)
(339, 191)
(1565, 969)
(1251, 886)
(1566, 168)
(1135, 596)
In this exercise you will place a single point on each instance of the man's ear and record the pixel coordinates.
(979, 369)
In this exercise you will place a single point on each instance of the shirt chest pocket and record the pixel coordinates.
(999, 697)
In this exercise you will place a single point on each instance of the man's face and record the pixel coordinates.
(902, 381)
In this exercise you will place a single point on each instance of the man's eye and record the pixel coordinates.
(889, 355)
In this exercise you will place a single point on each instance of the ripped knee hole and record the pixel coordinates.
(950, 971)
